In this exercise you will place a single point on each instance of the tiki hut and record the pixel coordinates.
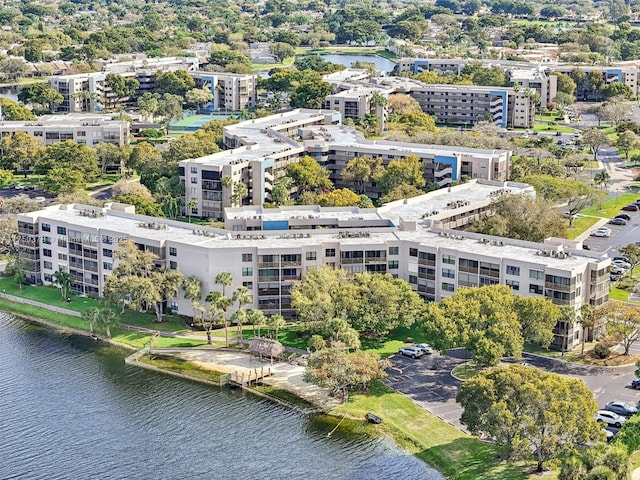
(266, 348)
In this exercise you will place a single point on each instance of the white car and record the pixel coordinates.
(621, 264)
(601, 232)
(569, 215)
(425, 347)
(610, 418)
(412, 352)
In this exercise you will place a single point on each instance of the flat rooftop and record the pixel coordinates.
(345, 75)
(67, 120)
(129, 225)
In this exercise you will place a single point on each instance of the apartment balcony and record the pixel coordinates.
(376, 260)
(92, 255)
(76, 265)
(297, 263)
(443, 171)
(270, 278)
(351, 261)
(558, 287)
(268, 264)
(426, 261)
(425, 289)
(428, 276)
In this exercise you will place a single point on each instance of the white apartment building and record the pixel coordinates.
(396, 240)
(87, 129)
(259, 150)
(231, 92)
(88, 91)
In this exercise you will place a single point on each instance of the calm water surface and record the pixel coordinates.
(70, 411)
(384, 65)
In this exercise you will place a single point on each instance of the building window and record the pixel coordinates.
(48, 265)
(450, 259)
(173, 305)
(46, 252)
(511, 270)
(46, 227)
(48, 277)
(393, 264)
(413, 252)
(194, 180)
(394, 250)
(247, 271)
(194, 169)
(448, 287)
(448, 273)
(330, 252)
(107, 265)
(173, 251)
(46, 240)
(535, 289)
(173, 265)
(248, 285)
(247, 257)
(413, 279)
(62, 256)
(536, 274)
(513, 284)
(107, 253)
(311, 256)
(62, 231)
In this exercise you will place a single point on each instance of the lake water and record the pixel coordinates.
(9, 92)
(70, 410)
(382, 64)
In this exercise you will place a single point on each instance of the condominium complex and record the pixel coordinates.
(401, 239)
(260, 149)
(82, 128)
(231, 92)
(355, 96)
(89, 91)
(537, 76)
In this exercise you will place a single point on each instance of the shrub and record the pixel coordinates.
(410, 340)
(602, 350)
(629, 435)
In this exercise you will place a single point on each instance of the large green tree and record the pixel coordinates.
(594, 139)
(138, 283)
(308, 175)
(408, 170)
(70, 155)
(527, 410)
(41, 95)
(20, 151)
(14, 111)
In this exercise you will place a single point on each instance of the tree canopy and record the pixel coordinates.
(527, 410)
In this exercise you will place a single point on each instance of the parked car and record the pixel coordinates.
(621, 408)
(601, 232)
(624, 216)
(609, 434)
(618, 221)
(586, 247)
(635, 383)
(610, 418)
(425, 347)
(412, 352)
(631, 208)
(569, 215)
(624, 259)
(621, 264)
(614, 277)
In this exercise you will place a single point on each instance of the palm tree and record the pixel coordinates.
(219, 304)
(192, 287)
(240, 191)
(63, 280)
(191, 204)
(277, 322)
(225, 279)
(107, 318)
(92, 316)
(227, 183)
(243, 296)
(239, 317)
(256, 318)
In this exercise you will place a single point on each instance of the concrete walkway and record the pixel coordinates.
(635, 475)
(283, 374)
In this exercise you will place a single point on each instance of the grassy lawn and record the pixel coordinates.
(545, 127)
(580, 225)
(456, 454)
(283, 395)
(48, 295)
(611, 207)
(623, 288)
(181, 366)
(268, 66)
(465, 371)
(549, 117)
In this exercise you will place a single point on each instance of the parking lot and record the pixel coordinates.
(621, 235)
(428, 382)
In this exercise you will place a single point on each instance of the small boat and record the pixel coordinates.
(371, 418)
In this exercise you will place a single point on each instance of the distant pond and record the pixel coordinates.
(384, 65)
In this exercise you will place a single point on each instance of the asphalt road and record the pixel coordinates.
(428, 381)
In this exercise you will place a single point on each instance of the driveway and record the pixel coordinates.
(428, 381)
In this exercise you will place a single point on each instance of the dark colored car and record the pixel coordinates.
(624, 216)
(631, 208)
(635, 383)
(618, 221)
(621, 408)
(586, 247)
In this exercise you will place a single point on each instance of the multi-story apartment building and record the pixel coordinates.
(395, 239)
(89, 92)
(627, 75)
(359, 101)
(231, 92)
(524, 74)
(82, 128)
(259, 150)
